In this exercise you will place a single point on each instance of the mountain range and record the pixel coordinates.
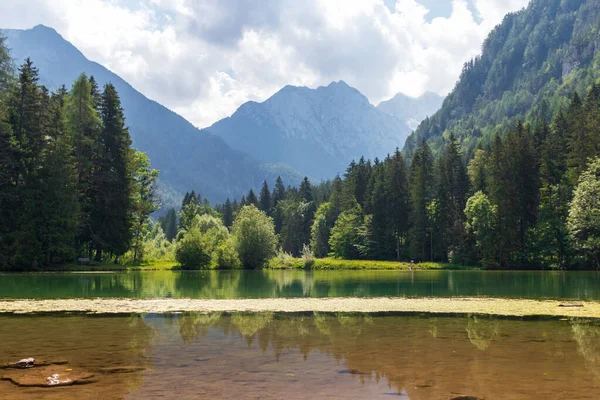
(315, 131)
(411, 110)
(297, 132)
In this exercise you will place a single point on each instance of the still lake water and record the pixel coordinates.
(298, 356)
(275, 356)
(270, 284)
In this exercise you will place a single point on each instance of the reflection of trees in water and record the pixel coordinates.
(208, 284)
(482, 330)
(587, 336)
(194, 325)
(425, 355)
(284, 280)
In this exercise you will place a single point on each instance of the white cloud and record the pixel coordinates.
(204, 58)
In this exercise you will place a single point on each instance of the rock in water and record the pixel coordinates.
(49, 376)
(25, 363)
(31, 363)
(122, 369)
(570, 305)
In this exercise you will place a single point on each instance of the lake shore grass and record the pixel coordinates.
(112, 267)
(276, 263)
(441, 306)
(339, 264)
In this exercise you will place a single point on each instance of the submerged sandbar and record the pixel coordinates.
(483, 306)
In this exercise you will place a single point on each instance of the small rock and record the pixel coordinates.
(351, 372)
(570, 305)
(31, 363)
(426, 384)
(25, 363)
(122, 369)
(463, 397)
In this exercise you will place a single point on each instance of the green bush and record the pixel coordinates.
(191, 251)
(225, 256)
(254, 236)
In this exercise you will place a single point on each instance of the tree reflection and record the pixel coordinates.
(482, 331)
(587, 336)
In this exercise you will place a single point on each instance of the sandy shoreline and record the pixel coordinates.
(484, 306)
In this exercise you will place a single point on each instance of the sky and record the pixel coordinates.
(204, 58)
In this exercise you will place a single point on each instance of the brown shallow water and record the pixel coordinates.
(312, 355)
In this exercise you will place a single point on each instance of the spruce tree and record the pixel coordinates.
(169, 224)
(251, 198)
(453, 186)
(228, 211)
(145, 200)
(59, 204)
(421, 195)
(264, 200)
(398, 196)
(84, 127)
(112, 182)
(305, 191)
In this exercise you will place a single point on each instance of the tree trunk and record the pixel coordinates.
(98, 254)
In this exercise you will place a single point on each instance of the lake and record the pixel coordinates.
(301, 355)
(273, 284)
(331, 356)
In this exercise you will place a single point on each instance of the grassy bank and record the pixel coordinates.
(109, 266)
(324, 264)
(338, 264)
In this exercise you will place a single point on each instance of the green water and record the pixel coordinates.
(273, 284)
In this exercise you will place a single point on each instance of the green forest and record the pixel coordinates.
(71, 185)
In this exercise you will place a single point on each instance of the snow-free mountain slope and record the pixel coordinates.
(315, 131)
(187, 158)
(412, 110)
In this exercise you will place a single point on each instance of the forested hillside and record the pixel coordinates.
(186, 157)
(529, 67)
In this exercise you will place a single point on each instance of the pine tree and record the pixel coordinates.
(580, 145)
(398, 196)
(59, 207)
(251, 198)
(264, 200)
(84, 127)
(28, 116)
(145, 200)
(381, 240)
(95, 93)
(552, 247)
(277, 197)
(305, 191)
(453, 186)
(112, 182)
(421, 195)
(228, 211)
(169, 224)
